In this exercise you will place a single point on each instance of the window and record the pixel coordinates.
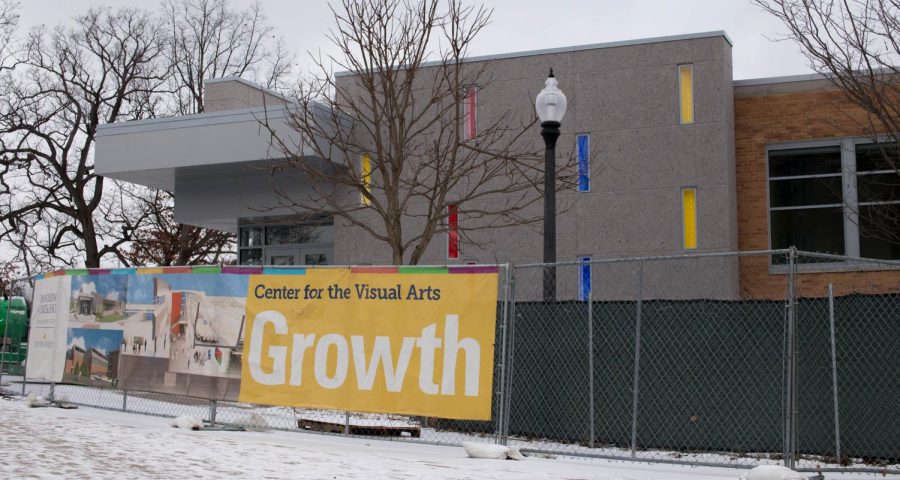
(452, 231)
(260, 244)
(469, 114)
(806, 199)
(689, 218)
(818, 204)
(365, 176)
(297, 234)
(583, 144)
(584, 279)
(878, 200)
(686, 93)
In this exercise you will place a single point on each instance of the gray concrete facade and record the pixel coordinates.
(626, 97)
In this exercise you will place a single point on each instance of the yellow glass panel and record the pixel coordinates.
(689, 220)
(686, 91)
(365, 171)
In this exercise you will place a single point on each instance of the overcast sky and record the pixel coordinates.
(534, 24)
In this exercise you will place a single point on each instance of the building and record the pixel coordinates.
(680, 159)
(99, 364)
(92, 303)
(75, 360)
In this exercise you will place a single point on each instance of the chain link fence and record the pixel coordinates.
(848, 412)
(649, 359)
(685, 359)
(732, 359)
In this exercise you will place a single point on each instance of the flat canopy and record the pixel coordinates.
(154, 152)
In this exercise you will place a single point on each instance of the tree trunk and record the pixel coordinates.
(91, 252)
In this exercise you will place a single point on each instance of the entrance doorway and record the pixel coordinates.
(281, 241)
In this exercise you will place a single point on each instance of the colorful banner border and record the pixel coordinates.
(256, 270)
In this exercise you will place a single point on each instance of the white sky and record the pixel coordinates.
(534, 24)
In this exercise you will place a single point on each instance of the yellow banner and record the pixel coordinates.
(411, 343)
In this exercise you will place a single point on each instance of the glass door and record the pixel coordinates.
(315, 255)
(282, 256)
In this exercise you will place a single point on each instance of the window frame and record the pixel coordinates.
(849, 204)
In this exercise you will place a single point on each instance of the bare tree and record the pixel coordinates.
(9, 272)
(103, 69)
(210, 39)
(402, 109)
(9, 23)
(163, 241)
(856, 44)
(205, 39)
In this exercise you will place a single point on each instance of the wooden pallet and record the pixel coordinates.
(367, 430)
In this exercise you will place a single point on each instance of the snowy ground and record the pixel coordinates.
(94, 443)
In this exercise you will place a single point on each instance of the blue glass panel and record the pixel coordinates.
(584, 164)
(585, 279)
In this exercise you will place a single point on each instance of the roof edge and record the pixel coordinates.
(247, 83)
(578, 48)
(193, 120)
(806, 77)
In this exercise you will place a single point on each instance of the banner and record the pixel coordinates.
(357, 340)
(413, 340)
(47, 337)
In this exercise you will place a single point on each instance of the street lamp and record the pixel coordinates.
(551, 107)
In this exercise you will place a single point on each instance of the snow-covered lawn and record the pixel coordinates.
(94, 443)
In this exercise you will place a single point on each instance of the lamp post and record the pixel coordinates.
(551, 107)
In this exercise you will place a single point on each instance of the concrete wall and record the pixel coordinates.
(215, 199)
(626, 97)
(235, 93)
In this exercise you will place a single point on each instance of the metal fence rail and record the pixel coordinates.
(669, 359)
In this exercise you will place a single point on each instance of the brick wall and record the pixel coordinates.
(768, 118)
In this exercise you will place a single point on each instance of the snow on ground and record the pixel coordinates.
(87, 442)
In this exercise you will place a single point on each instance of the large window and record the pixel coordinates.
(833, 197)
(878, 187)
(285, 244)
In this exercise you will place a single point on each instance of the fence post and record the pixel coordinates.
(791, 376)
(27, 339)
(510, 356)
(4, 349)
(834, 380)
(50, 397)
(124, 400)
(590, 302)
(637, 359)
(346, 423)
(504, 324)
(212, 412)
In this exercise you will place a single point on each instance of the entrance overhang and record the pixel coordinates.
(155, 152)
